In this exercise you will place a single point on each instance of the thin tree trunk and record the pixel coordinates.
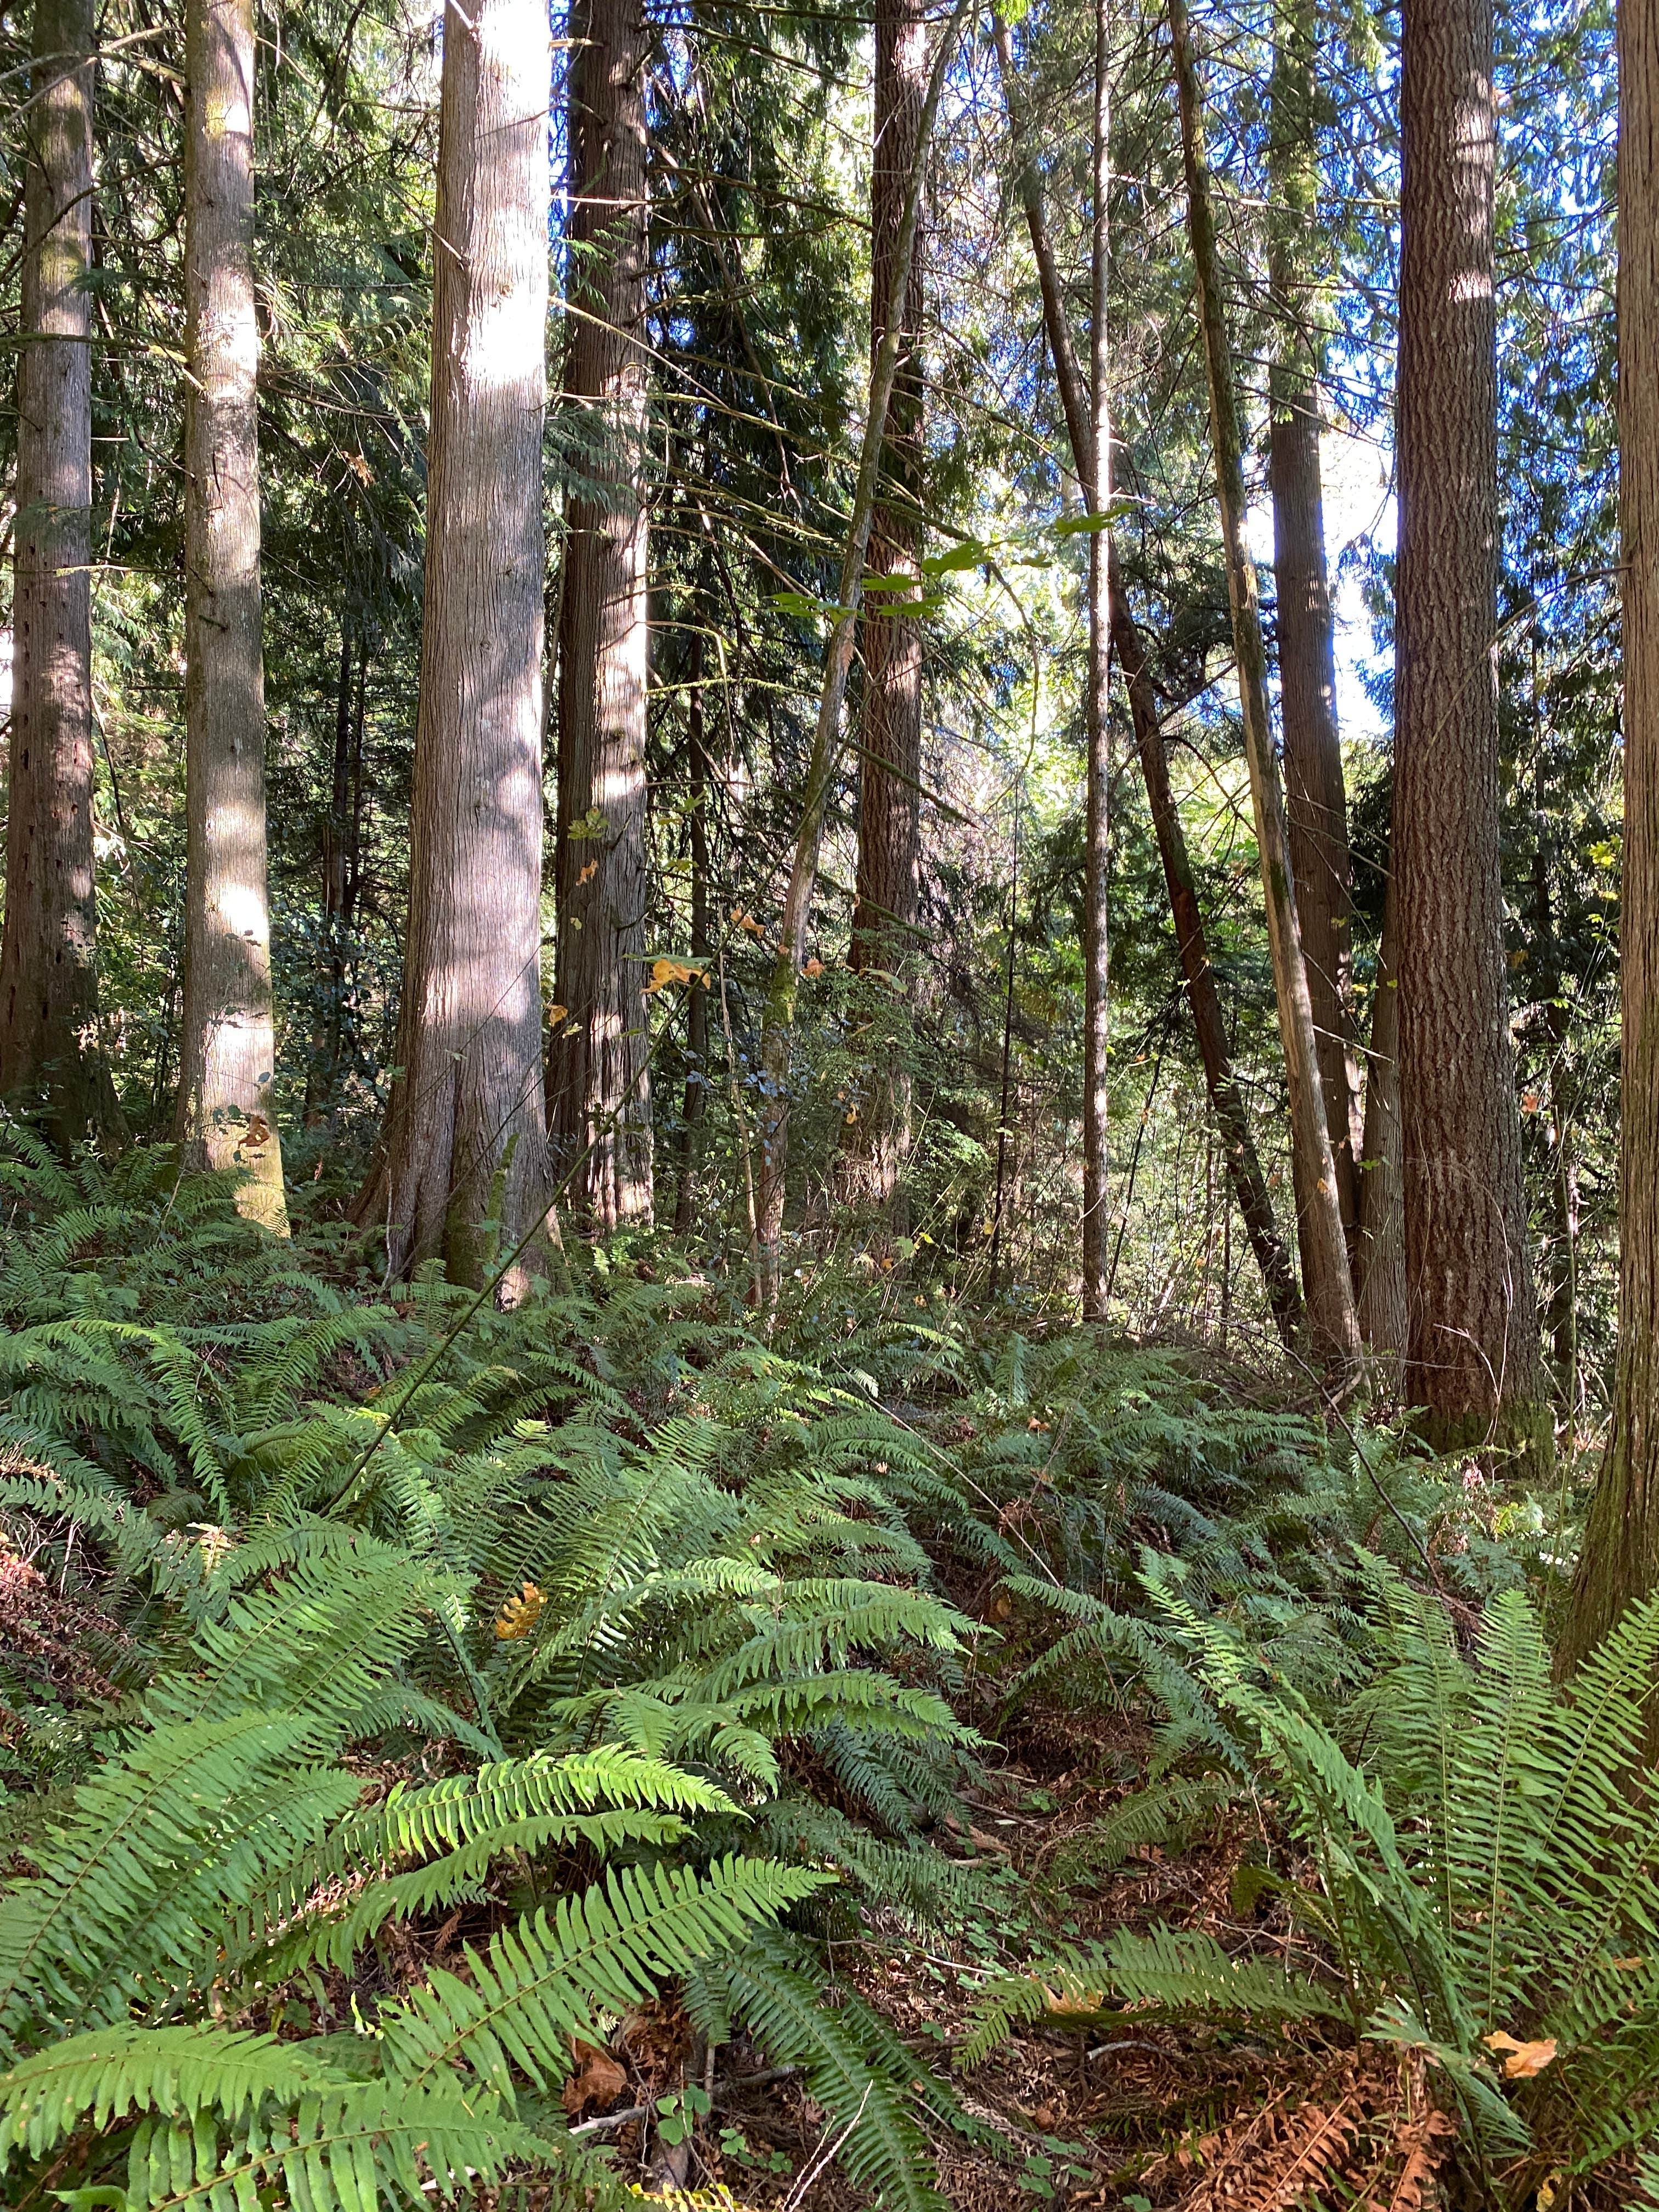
(1473, 1355)
(1327, 1282)
(1316, 802)
(227, 1112)
(1243, 1168)
(52, 1062)
(696, 998)
(1382, 1258)
(596, 1068)
(1619, 1562)
(778, 1018)
(470, 1094)
(325, 1029)
(1097, 723)
(889, 848)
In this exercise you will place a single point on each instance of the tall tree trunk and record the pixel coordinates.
(1472, 1357)
(1243, 1168)
(226, 1110)
(1327, 1282)
(1317, 801)
(1382, 1257)
(470, 1094)
(51, 1059)
(888, 849)
(598, 1084)
(1619, 1562)
(696, 998)
(778, 1019)
(1097, 723)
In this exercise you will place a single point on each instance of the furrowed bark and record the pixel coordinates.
(52, 1062)
(1619, 1565)
(1096, 722)
(1473, 1359)
(226, 1108)
(876, 1143)
(778, 1018)
(466, 1137)
(1317, 802)
(598, 1077)
(1327, 1282)
(1226, 1101)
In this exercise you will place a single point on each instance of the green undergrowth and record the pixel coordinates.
(654, 1650)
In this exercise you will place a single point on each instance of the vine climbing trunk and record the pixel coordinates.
(1619, 1563)
(823, 762)
(465, 1140)
(1472, 1360)
(1249, 1185)
(52, 1062)
(876, 1138)
(1097, 722)
(226, 1108)
(599, 1085)
(1327, 1283)
(1317, 802)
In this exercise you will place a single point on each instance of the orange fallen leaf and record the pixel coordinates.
(813, 968)
(556, 1014)
(588, 872)
(1523, 2059)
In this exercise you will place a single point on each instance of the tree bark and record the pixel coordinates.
(696, 998)
(778, 1018)
(1316, 802)
(52, 1062)
(1327, 1282)
(227, 1109)
(1382, 1257)
(1619, 1565)
(1243, 1168)
(889, 845)
(597, 1083)
(1096, 724)
(1472, 1355)
(468, 1100)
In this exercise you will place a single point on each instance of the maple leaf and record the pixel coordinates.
(599, 2079)
(1523, 2059)
(588, 872)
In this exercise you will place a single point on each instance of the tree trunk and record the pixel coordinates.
(778, 1019)
(1327, 1279)
(1619, 1562)
(226, 1110)
(696, 998)
(1316, 802)
(52, 1062)
(469, 1098)
(1096, 724)
(1243, 1168)
(889, 850)
(1381, 1259)
(597, 1083)
(1471, 1356)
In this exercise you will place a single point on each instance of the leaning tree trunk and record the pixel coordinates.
(1317, 801)
(1327, 1284)
(597, 1074)
(51, 1061)
(1619, 1562)
(876, 1143)
(1472, 1355)
(468, 1102)
(226, 1110)
(1226, 1100)
(1382, 1257)
(1097, 723)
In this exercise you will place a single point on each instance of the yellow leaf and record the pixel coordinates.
(556, 1014)
(1523, 2059)
(518, 1616)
